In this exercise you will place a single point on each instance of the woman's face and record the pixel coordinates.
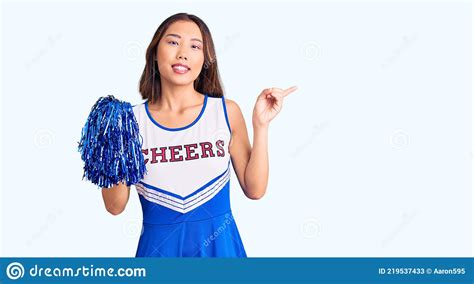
(180, 53)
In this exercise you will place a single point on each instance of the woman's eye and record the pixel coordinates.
(172, 42)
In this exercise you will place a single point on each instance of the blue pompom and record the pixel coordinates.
(111, 144)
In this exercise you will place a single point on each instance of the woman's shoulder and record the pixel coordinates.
(234, 113)
(232, 107)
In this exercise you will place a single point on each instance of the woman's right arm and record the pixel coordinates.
(116, 198)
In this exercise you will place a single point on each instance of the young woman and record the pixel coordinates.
(191, 134)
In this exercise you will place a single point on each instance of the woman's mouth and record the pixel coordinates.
(180, 68)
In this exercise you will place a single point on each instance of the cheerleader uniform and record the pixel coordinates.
(185, 192)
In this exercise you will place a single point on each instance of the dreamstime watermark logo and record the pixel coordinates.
(310, 228)
(132, 50)
(310, 50)
(43, 138)
(51, 219)
(15, 270)
(132, 228)
(221, 229)
(407, 41)
(221, 134)
(399, 139)
(407, 218)
(229, 42)
(51, 41)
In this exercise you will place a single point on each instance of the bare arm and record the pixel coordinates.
(116, 198)
(250, 163)
(256, 173)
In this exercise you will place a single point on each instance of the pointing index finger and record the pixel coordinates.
(289, 90)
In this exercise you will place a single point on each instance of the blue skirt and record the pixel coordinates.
(207, 231)
(214, 237)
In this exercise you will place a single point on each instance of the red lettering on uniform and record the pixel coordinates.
(220, 152)
(174, 153)
(162, 154)
(206, 147)
(145, 151)
(190, 151)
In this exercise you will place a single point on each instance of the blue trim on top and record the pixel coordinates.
(210, 182)
(191, 194)
(225, 114)
(185, 205)
(161, 190)
(179, 128)
(225, 187)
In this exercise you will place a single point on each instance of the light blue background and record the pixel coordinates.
(370, 157)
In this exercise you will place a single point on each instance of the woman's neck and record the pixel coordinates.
(177, 98)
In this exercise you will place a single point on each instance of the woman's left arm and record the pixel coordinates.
(251, 163)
